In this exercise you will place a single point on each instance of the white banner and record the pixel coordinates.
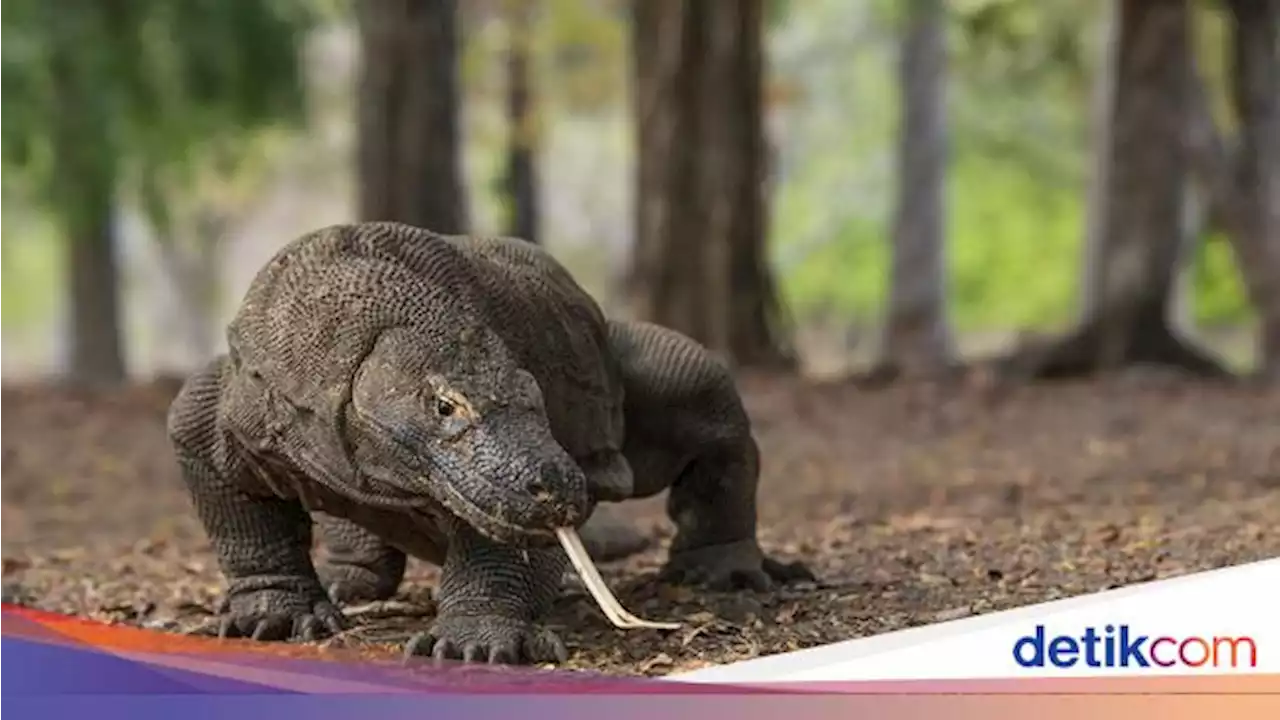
(1218, 622)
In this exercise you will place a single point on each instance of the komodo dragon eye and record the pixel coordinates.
(444, 408)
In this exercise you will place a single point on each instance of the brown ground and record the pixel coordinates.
(913, 505)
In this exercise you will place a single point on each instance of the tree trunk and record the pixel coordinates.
(699, 265)
(1192, 230)
(522, 123)
(1257, 99)
(1099, 189)
(918, 337)
(84, 172)
(1244, 183)
(409, 137)
(1143, 214)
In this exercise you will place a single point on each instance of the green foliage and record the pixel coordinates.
(1024, 41)
(580, 52)
(25, 64)
(587, 49)
(160, 80)
(1013, 253)
(846, 277)
(1014, 201)
(27, 294)
(185, 95)
(158, 103)
(1220, 297)
(1019, 82)
(775, 12)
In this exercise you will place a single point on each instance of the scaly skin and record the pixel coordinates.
(454, 399)
(262, 542)
(688, 432)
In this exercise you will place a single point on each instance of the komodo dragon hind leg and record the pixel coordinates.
(361, 566)
(688, 432)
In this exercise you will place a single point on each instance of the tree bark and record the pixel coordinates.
(918, 336)
(699, 262)
(1099, 188)
(1143, 214)
(522, 171)
(1243, 182)
(84, 178)
(409, 136)
(1182, 310)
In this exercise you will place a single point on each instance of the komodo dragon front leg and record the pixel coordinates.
(262, 542)
(492, 600)
(362, 566)
(688, 431)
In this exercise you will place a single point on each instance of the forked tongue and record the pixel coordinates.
(604, 597)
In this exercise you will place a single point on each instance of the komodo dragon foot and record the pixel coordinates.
(279, 614)
(492, 599)
(731, 566)
(493, 639)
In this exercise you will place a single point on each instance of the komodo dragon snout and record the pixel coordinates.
(472, 435)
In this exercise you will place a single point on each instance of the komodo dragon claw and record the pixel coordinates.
(487, 638)
(277, 615)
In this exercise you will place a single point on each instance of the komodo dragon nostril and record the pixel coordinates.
(549, 476)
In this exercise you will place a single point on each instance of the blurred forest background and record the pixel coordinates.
(823, 184)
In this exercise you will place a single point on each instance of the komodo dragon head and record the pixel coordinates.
(360, 349)
(467, 426)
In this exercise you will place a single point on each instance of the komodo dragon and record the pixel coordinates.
(455, 399)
